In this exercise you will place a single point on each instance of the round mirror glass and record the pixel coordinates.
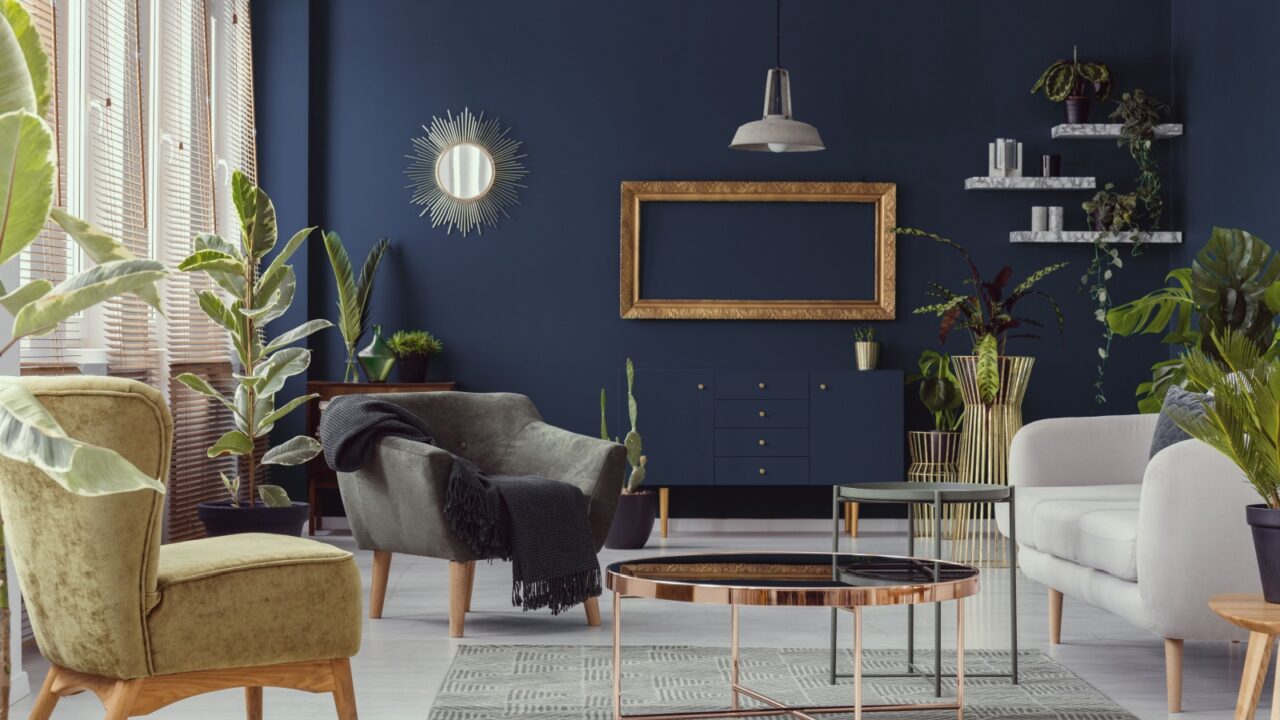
(465, 171)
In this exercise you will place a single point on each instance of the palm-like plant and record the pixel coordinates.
(1242, 420)
(353, 295)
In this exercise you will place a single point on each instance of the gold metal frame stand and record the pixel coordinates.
(776, 707)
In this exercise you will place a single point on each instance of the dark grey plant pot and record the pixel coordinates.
(1077, 109)
(633, 521)
(412, 369)
(1265, 523)
(221, 518)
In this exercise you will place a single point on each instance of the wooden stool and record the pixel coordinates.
(1262, 620)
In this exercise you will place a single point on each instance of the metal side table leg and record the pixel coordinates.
(911, 609)
(1013, 589)
(937, 607)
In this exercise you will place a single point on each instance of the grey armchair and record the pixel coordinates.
(395, 503)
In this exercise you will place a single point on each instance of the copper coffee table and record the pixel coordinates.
(818, 580)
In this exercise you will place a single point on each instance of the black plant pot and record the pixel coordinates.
(412, 369)
(633, 521)
(221, 518)
(1077, 109)
(1265, 523)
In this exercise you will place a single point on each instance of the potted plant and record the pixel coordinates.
(1238, 419)
(866, 349)
(412, 349)
(248, 302)
(1065, 81)
(633, 521)
(992, 384)
(354, 293)
(935, 453)
(1111, 212)
(28, 168)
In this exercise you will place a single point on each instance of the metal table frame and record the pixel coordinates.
(937, 495)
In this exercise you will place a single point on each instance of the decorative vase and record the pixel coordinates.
(984, 450)
(867, 354)
(633, 521)
(935, 457)
(412, 369)
(1077, 109)
(1265, 524)
(376, 358)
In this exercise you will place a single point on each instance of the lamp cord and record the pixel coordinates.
(777, 36)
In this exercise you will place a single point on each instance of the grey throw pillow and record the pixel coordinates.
(1167, 431)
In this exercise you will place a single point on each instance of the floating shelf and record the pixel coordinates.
(1107, 131)
(1030, 183)
(1088, 236)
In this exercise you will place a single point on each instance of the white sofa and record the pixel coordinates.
(1148, 540)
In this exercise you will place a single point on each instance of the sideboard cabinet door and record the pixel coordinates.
(676, 417)
(856, 426)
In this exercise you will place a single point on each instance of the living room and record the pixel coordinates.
(378, 357)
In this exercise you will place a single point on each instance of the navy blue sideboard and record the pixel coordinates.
(766, 427)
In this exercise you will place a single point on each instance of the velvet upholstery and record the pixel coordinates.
(396, 501)
(104, 596)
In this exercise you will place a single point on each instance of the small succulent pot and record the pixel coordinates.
(1077, 109)
(412, 369)
(1265, 523)
(633, 521)
(223, 518)
(867, 354)
(376, 358)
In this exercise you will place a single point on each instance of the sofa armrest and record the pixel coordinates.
(595, 466)
(1105, 450)
(396, 501)
(1193, 541)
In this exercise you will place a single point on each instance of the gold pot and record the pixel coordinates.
(935, 457)
(867, 353)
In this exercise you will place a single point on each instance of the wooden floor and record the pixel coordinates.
(406, 653)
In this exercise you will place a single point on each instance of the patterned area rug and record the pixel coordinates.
(563, 682)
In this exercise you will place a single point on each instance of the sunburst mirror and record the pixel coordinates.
(465, 172)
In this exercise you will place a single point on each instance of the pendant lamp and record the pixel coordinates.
(777, 131)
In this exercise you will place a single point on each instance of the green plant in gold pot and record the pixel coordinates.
(413, 348)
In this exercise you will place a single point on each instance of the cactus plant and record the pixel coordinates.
(632, 441)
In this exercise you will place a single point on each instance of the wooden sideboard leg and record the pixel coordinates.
(664, 499)
(851, 518)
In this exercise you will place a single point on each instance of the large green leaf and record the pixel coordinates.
(296, 334)
(102, 248)
(231, 282)
(1229, 281)
(273, 496)
(280, 300)
(220, 312)
(30, 435)
(988, 370)
(265, 424)
(84, 290)
(294, 451)
(349, 311)
(27, 163)
(18, 299)
(271, 277)
(280, 367)
(37, 61)
(211, 261)
(1157, 311)
(17, 91)
(364, 283)
(232, 443)
(257, 216)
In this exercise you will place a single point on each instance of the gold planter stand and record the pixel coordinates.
(984, 452)
(934, 458)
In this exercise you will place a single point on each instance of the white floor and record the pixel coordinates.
(406, 654)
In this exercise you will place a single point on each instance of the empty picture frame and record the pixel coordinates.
(751, 264)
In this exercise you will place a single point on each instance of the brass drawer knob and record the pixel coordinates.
(761, 442)
(701, 386)
(761, 386)
(761, 413)
(822, 386)
(761, 471)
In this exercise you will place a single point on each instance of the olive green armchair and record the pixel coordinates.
(143, 625)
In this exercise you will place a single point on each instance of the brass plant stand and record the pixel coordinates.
(985, 437)
(935, 457)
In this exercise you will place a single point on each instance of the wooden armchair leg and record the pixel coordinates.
(344, 693)
(471, 582)
(120, 702)
(378, 585)
(253, 703)
(47, 700)
(458, 600)
(592, 606)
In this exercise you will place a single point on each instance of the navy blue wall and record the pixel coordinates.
(600, 92)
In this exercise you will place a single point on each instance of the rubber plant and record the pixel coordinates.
(29, 434)
(985, 311)
(1232, 285)
(249, 301)
(635, 457)
(354, 293)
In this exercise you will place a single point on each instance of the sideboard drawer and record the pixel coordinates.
(762, 413)
(762, 442)
(762, 471)
(751, 384)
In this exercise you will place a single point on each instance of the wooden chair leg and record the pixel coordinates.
(457, 597)
(121, 700)
(1055, 617)
(664, 503)
(592, 606)
(1257, 659)
(344, 692)
(253, 703)
(1173, 671)
(471, 582)
(47, 700)
(378, 585)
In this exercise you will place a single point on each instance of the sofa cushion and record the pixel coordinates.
(1028, 499)
(1055, 525)
(1108, 541)
(253, 599)
(1167, 431)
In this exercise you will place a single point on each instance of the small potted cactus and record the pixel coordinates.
(413, 348)
(633, 521)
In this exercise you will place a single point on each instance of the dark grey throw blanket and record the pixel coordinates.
(539, 524)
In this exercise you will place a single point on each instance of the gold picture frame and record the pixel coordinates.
(884, 196)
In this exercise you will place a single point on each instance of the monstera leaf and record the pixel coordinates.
(1169, 308)
(1229, 282)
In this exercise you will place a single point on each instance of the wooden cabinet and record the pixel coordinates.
(856, 431)
(676, 421)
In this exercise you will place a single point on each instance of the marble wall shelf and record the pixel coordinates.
(1030, 183)
(1088, 236)
(1107, 131)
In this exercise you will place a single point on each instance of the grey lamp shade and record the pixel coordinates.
(777, 131)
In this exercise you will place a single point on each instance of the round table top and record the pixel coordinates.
(924, 492)
(1250, 612)
(793, 579)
